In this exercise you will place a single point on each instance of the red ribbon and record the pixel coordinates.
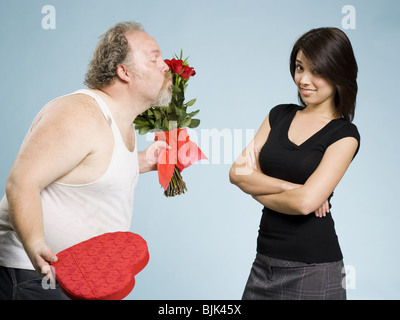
(183, 153)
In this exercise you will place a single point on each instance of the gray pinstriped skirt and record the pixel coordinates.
(275, 279)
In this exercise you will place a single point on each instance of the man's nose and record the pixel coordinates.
(164, 67)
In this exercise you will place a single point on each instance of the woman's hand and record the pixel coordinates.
(252, 161)
(323, 210)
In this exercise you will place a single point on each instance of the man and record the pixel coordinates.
(76, 171)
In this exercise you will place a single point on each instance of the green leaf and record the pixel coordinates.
(157, 124)
(192, 114)
(157, 114)
(171, 108)
(190, 103)
(180, 113)
(194, 123)
(186, 122)
(144, 130)
(141, 121)
(176, 89)
(165, 124)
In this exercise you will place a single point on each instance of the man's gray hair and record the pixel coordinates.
(113, 49)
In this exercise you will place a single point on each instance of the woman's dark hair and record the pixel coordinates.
(329, 51)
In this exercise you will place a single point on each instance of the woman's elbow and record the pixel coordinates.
(307, 205)
(238, 173)
(304, 211)
(233, 176)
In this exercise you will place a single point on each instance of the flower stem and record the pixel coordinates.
(176, 186)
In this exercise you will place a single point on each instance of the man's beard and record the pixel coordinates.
(165, 95)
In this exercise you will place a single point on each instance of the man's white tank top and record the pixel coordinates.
(74, 213)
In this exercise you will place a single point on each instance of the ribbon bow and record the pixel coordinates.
(183, 153)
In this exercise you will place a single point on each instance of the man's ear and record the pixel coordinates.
(123, 73)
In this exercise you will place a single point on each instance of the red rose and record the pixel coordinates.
(187, 72)
(176, 66)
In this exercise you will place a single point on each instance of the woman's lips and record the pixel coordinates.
(307, 92)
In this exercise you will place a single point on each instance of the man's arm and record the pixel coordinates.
(58, 142)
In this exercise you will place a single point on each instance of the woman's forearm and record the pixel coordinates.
(255, 182)
(292, 202)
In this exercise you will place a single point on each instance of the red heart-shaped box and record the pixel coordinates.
(103, 267)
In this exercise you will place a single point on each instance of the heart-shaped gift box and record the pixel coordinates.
(103, 267)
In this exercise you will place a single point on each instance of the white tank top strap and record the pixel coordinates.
(100, 102)
(107, 114)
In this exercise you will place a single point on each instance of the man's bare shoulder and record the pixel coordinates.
(73, 110)
(68, 142)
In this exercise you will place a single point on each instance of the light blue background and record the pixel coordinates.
(202, 244)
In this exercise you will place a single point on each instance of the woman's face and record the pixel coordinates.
(314, 89)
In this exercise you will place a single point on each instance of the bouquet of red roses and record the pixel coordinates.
(169, 123)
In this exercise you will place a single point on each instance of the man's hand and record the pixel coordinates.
(148, 158)
(41, 255)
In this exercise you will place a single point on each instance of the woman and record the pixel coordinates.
(292, 167)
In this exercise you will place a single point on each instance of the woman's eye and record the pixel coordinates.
(299, 68)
